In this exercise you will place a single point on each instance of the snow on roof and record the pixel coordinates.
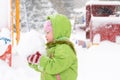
(104, 20)
(103, 3)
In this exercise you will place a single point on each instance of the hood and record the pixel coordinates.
(61, 26)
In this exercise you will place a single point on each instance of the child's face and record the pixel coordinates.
(49, 36)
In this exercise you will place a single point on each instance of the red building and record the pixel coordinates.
(103, 18)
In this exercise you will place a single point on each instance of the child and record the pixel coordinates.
(61, 61)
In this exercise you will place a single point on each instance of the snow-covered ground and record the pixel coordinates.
(99, 62)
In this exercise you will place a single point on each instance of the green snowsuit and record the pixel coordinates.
(61, 57)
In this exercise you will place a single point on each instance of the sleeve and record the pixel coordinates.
(62, 60)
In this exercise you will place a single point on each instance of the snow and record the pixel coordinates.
(5, 11)
(118, 39)
(78, 10)
(31, 42)
(103, 3)
(104, 20)
(99, 62)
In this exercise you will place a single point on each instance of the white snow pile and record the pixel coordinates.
(31, 42)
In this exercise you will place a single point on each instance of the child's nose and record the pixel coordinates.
(46, 36)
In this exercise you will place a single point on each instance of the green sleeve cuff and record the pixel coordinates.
(43, 61)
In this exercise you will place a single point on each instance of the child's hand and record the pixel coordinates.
(34, 58)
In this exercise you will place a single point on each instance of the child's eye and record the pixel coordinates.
(47, 32)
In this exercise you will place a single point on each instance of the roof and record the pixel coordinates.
(103, 3)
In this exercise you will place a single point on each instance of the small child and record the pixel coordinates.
(61, 61)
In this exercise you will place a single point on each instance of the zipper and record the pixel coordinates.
(58, 77)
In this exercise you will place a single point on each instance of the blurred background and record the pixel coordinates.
(33, 13)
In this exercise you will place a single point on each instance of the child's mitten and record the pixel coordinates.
(34, 58)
